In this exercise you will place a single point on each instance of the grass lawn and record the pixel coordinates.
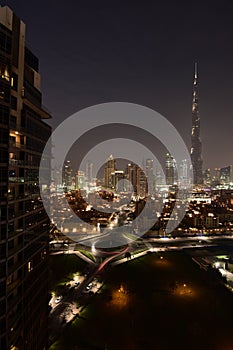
(154, 303)
(62, 267)
(88, 255)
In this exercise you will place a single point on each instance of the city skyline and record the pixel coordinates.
(152, 79)
(218, 178)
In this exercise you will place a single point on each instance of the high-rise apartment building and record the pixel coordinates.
(207, 177)
(109, 168)
(67, 176)
(24, 224)
(171, 170)
(137, 178)
(196, 145)
(184, 172)
(131, 175)
(80, 182)
(89, 172)
(226, 175)
(118, 183)
(149, 172)
(216, 178)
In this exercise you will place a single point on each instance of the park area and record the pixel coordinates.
(62, 267)
(158, 301)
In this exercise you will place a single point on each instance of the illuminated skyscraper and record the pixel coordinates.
(217, 175)
(109, 168)
(67, 176)
(80, 180)
(89, 172)
(117, 183)
(207, 179)
(149, 172)
(184, 173)
(196, 146)
(171, 170)
(137, 178)
(226, 175)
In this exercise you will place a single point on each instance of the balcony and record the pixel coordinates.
(13, 197)
(16, 249)
(16, 214)
(3, 199)
(41, 111)
(14, 267)
(13, 301)
(17, 145)
(13, 285)
(32, 196)
(15, 162)
(15, 233)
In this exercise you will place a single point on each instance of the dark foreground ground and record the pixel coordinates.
(154, 303)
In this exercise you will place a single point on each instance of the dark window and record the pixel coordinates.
(3, 231)
(11, 227)
(13, 121)
(3, 174)
(12, 139)
(4, 91)
(3, 156)
(4, 115)
(20, 273)
(11, 244)
(3, 329)
(31, 59)
(3, 136)
(23, 119)
(2, 250)
(11, 262)
(5, 43)
(3, 343)
(3, 212)
(2, 307)
(14, 103)
(32, 94)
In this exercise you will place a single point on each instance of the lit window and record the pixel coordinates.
(30, 268)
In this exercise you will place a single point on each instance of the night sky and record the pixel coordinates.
(143, 52)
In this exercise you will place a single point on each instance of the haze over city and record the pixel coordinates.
(100, 52)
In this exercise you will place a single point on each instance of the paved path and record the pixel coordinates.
(56, 318)
(76, 252)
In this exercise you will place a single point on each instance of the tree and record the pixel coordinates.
(128, 255)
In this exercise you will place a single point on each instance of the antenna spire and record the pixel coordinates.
(195, 74)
